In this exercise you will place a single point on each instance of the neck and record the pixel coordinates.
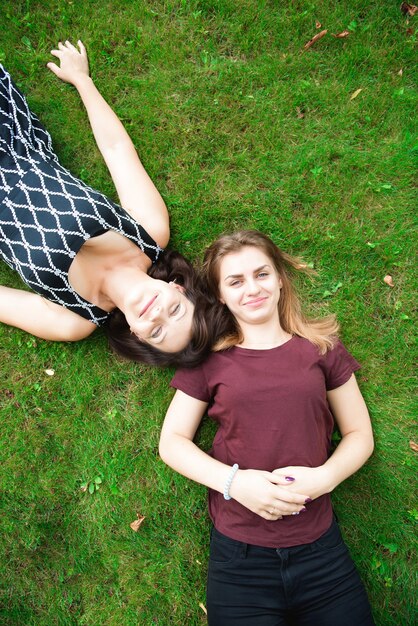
(119, 281)
(264, 336)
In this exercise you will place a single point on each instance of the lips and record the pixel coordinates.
(147, 306)
(256, 301)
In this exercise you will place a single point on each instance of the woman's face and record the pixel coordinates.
(249, 286)
(162, 316)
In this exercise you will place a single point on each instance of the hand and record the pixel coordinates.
(73, 63)
(311, 480)
(266, 494)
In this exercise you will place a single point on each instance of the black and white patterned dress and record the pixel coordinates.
(46, 214)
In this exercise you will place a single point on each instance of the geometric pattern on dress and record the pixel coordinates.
(46, 214)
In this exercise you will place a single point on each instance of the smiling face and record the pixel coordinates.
(162, 316)
(249, 286)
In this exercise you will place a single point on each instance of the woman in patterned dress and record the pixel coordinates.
(88, 259)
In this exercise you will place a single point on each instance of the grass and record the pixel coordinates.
(210, 93)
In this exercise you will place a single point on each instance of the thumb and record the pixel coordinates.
(281, 479)
(54, 68)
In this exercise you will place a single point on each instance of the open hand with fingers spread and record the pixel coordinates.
(73, 62)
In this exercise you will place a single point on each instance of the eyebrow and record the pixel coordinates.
(255, 272)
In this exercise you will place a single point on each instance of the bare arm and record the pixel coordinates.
(352, 417)
(259, 491)
(47, 320)
(137, 193)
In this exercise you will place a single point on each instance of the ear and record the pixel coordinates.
(176, 286)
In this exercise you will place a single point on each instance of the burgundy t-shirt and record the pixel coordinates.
(272, 411)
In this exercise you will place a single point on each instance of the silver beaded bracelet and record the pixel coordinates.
(232, 473)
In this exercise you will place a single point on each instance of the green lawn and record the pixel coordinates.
(239, 127)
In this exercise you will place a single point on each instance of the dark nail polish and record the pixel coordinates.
(303, 510)
(289, 478)
(308, 500)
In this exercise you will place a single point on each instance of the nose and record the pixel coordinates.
(252, 287)
(155, 313)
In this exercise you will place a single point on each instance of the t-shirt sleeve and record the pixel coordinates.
(192, 382)
(338, 366)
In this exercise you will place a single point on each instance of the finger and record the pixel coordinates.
(284, 508)
(272, 515)
(56, 53)
(282, 479)
(70, 46)
(289, 507)
(82, 47)
(53, 67)
(289, 496)
(61, 46)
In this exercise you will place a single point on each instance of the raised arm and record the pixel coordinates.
(352, 417)
(137, 193)
(47, 320)
(259, 491)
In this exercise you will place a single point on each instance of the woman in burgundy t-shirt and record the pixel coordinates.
(275, 383)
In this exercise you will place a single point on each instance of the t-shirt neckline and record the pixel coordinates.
(241, 350)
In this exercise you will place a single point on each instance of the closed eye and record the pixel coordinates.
(175, 310)
(156, 332)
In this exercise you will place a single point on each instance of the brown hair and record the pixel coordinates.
(321, 332)
(171, 266)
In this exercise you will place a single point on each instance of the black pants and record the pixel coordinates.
(314, 584)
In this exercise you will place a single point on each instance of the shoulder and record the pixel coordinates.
(196, 381)
(338, 365)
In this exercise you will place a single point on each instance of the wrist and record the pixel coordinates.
(235, 485)
(82, 81)
(231, 475)
(326, 479)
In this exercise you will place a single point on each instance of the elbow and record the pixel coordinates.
(367, 444)
(74, 331)
(371, 446)
(168, 450)
(162, 450)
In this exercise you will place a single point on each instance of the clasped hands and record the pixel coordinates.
(285, 491)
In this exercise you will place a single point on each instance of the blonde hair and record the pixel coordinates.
(321, 332)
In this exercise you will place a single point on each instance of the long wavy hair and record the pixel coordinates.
(227, 333)
(171, 266)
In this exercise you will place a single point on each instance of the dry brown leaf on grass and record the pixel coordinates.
(341, 35)
(389, 280)
(202, 606)
(413, 446)
(318, 24)
(49, 372)
(300, 113)
(408, 9)
(137, 523)
(355, 94)
(314, 39)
